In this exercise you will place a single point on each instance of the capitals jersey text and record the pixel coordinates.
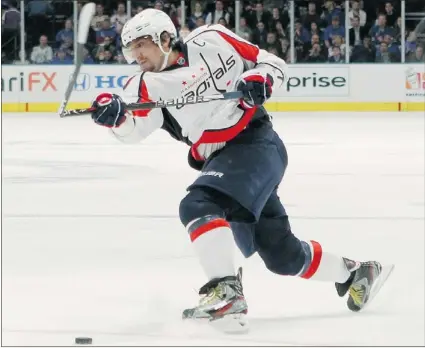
(211, 61)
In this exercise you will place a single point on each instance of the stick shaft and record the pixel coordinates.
(84, 22)
(175, 102)
(71, 83)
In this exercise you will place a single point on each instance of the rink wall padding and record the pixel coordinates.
(271, 107)
(39, 107)
(308, 88)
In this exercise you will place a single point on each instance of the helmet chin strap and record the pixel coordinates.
(166, 54)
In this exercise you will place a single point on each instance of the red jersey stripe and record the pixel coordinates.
(222, 135)
(246, 50)
(143, 98)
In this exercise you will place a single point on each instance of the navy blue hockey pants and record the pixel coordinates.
(239, 183)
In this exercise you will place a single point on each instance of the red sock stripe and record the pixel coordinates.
(208, 227)
(317, 257)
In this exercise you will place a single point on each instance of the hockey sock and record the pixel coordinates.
(322, 265)
(213, 241)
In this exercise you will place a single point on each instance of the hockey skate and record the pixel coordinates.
(364, 283)
(222, 304)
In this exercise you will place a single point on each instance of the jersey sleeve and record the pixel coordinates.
(139, 123)
(254, 57)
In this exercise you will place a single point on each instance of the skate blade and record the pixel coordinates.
(380, 281)
(231, 324)
(228, 324)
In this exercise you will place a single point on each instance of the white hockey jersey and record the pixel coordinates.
(212, 60)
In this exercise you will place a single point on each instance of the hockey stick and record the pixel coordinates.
(420, 32)
(420, 28)
(175, 102)
(86, 15)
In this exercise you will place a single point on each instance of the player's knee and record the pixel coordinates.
(197, 203)
(281, 251)
(286, 261)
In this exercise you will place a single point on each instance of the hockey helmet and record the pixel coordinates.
(148, 23)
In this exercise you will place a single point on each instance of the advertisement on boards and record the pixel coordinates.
(378, 83)
(33, 80)
(86, 81)
(415, 81)
(318, 81)
(33, 83)
(48, 83)
(37, 83)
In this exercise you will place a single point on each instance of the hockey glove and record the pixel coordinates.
(256, 88)
(110, 110)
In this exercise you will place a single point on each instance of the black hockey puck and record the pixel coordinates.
(83, 340)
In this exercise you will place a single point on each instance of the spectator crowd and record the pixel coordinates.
(374, 29)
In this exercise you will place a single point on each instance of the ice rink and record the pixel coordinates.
(92, 244)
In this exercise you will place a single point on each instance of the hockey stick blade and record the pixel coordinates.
(86, 15)
(175, 102)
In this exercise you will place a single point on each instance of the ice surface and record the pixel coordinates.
(92, 244)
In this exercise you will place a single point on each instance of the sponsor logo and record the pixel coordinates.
(110, 81)
(310, 82)
(32, 82)
(82, 83)
(211, 173)
(182, 101)
(315, 81)
(415, 82)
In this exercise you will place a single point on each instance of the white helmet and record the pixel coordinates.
(149, 22)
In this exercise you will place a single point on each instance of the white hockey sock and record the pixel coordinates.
(213, 240)
(325, 266)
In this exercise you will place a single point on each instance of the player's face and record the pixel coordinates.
(147, 54)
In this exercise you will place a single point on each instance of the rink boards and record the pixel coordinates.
(271, 106)
(321, 87)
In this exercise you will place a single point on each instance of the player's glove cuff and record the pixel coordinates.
(256, 89)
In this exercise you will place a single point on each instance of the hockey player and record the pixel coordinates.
(241, 158)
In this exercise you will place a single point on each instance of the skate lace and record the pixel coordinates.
(217, 290)
(357, 293)
(213, 295)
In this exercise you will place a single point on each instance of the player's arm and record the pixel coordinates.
(262, 71)
(257, 61)
(127, 126)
